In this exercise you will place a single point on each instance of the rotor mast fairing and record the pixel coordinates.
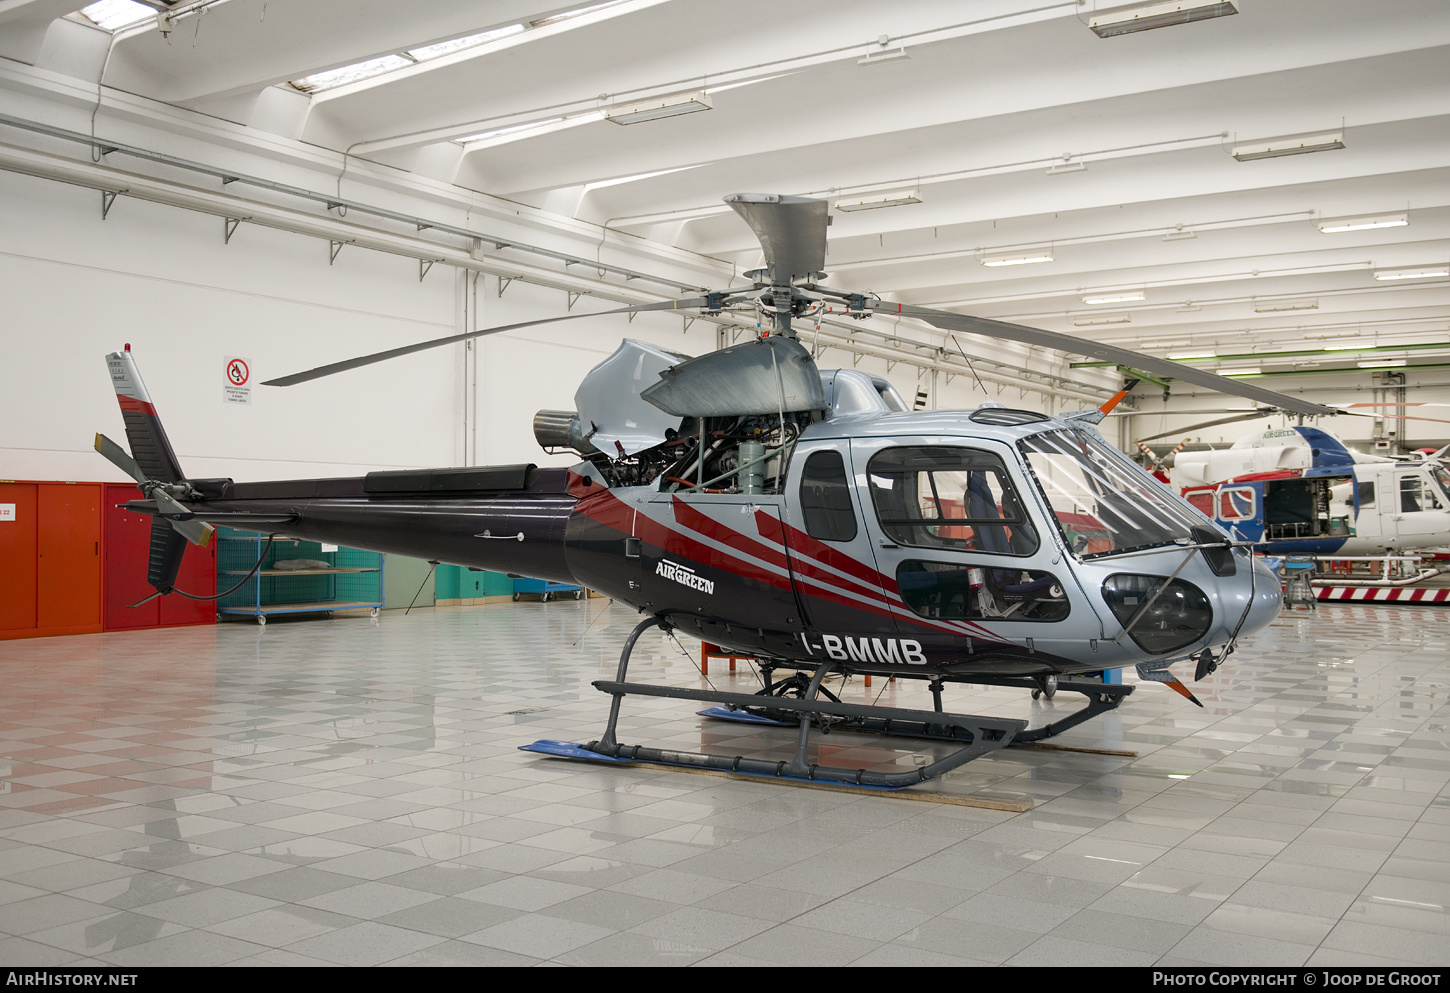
(792, 234)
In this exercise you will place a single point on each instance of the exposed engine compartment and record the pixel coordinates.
(738, 443)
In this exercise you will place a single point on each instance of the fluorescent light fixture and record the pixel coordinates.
(1279, 306)
(1252, 371)
(1293, 145)
(459, 44)
(888, 55)
(1127, 296)
(1364, 223)
(653, 110)
(1418, 272)
(1188, 308)
(1146, 17)
(1183, 234)
(576, 12)
(113, 15)
(1062, 167)
(1380, 363)
(1352, 347)
(1193, 355)
(874, 201)
(1028, 259)
(1091, 322)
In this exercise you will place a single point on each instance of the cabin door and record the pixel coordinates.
(846, 601)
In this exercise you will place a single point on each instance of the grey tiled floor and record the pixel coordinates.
(350, 791)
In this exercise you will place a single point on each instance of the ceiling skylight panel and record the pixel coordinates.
(458, 44)
(320, 81)
(576, 12)
(116, 14)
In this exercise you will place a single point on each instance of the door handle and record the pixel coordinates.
(888, 544)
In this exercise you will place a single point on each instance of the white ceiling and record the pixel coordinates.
(993, 92)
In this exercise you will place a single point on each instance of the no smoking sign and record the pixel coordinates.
(237, 388)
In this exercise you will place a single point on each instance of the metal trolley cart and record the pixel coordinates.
(339, 579)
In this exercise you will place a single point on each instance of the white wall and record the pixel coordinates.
(75, 287)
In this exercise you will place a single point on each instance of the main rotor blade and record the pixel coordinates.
(118, 457)
(1206, 424)
(948, 321)
(1420, 403)
(392, 353)
(1397, 417)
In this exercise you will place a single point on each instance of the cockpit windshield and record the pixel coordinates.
(1442, 478)
(1103, 503)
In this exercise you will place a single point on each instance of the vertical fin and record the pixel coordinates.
(164, 560)
(149, 445)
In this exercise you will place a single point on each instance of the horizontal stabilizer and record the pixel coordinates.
(232, 519)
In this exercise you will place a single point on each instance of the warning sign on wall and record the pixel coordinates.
(238, 387)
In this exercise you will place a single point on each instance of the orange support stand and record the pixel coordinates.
(709, 651)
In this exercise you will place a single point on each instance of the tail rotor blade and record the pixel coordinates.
(333, 368)
(194, 531)
(117, 456)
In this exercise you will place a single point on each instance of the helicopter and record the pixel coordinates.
(1302, 491)
(801, 516)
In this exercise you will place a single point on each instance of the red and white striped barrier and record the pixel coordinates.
(1383, 594)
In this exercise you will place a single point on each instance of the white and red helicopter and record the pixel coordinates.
(1301, 490)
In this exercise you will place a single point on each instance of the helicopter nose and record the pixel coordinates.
(1267, 599)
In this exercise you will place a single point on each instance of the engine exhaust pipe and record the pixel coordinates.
(561, 429)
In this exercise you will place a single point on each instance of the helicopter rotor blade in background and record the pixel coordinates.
(1250, 415)
(948, 321)
(333, 368)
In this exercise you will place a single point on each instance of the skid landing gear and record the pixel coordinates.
(805, 706)
(1101, 697)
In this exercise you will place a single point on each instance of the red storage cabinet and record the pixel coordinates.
(72, 562)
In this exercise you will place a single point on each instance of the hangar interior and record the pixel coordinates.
(1258, 189)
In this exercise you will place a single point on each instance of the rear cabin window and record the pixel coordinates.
(826, 498)
(941, 497)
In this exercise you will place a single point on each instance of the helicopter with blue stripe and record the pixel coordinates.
(1301, 491)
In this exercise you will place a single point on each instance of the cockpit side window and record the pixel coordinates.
(826, 498)
(942, 497)
(1410, 495)
(1441, 477)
